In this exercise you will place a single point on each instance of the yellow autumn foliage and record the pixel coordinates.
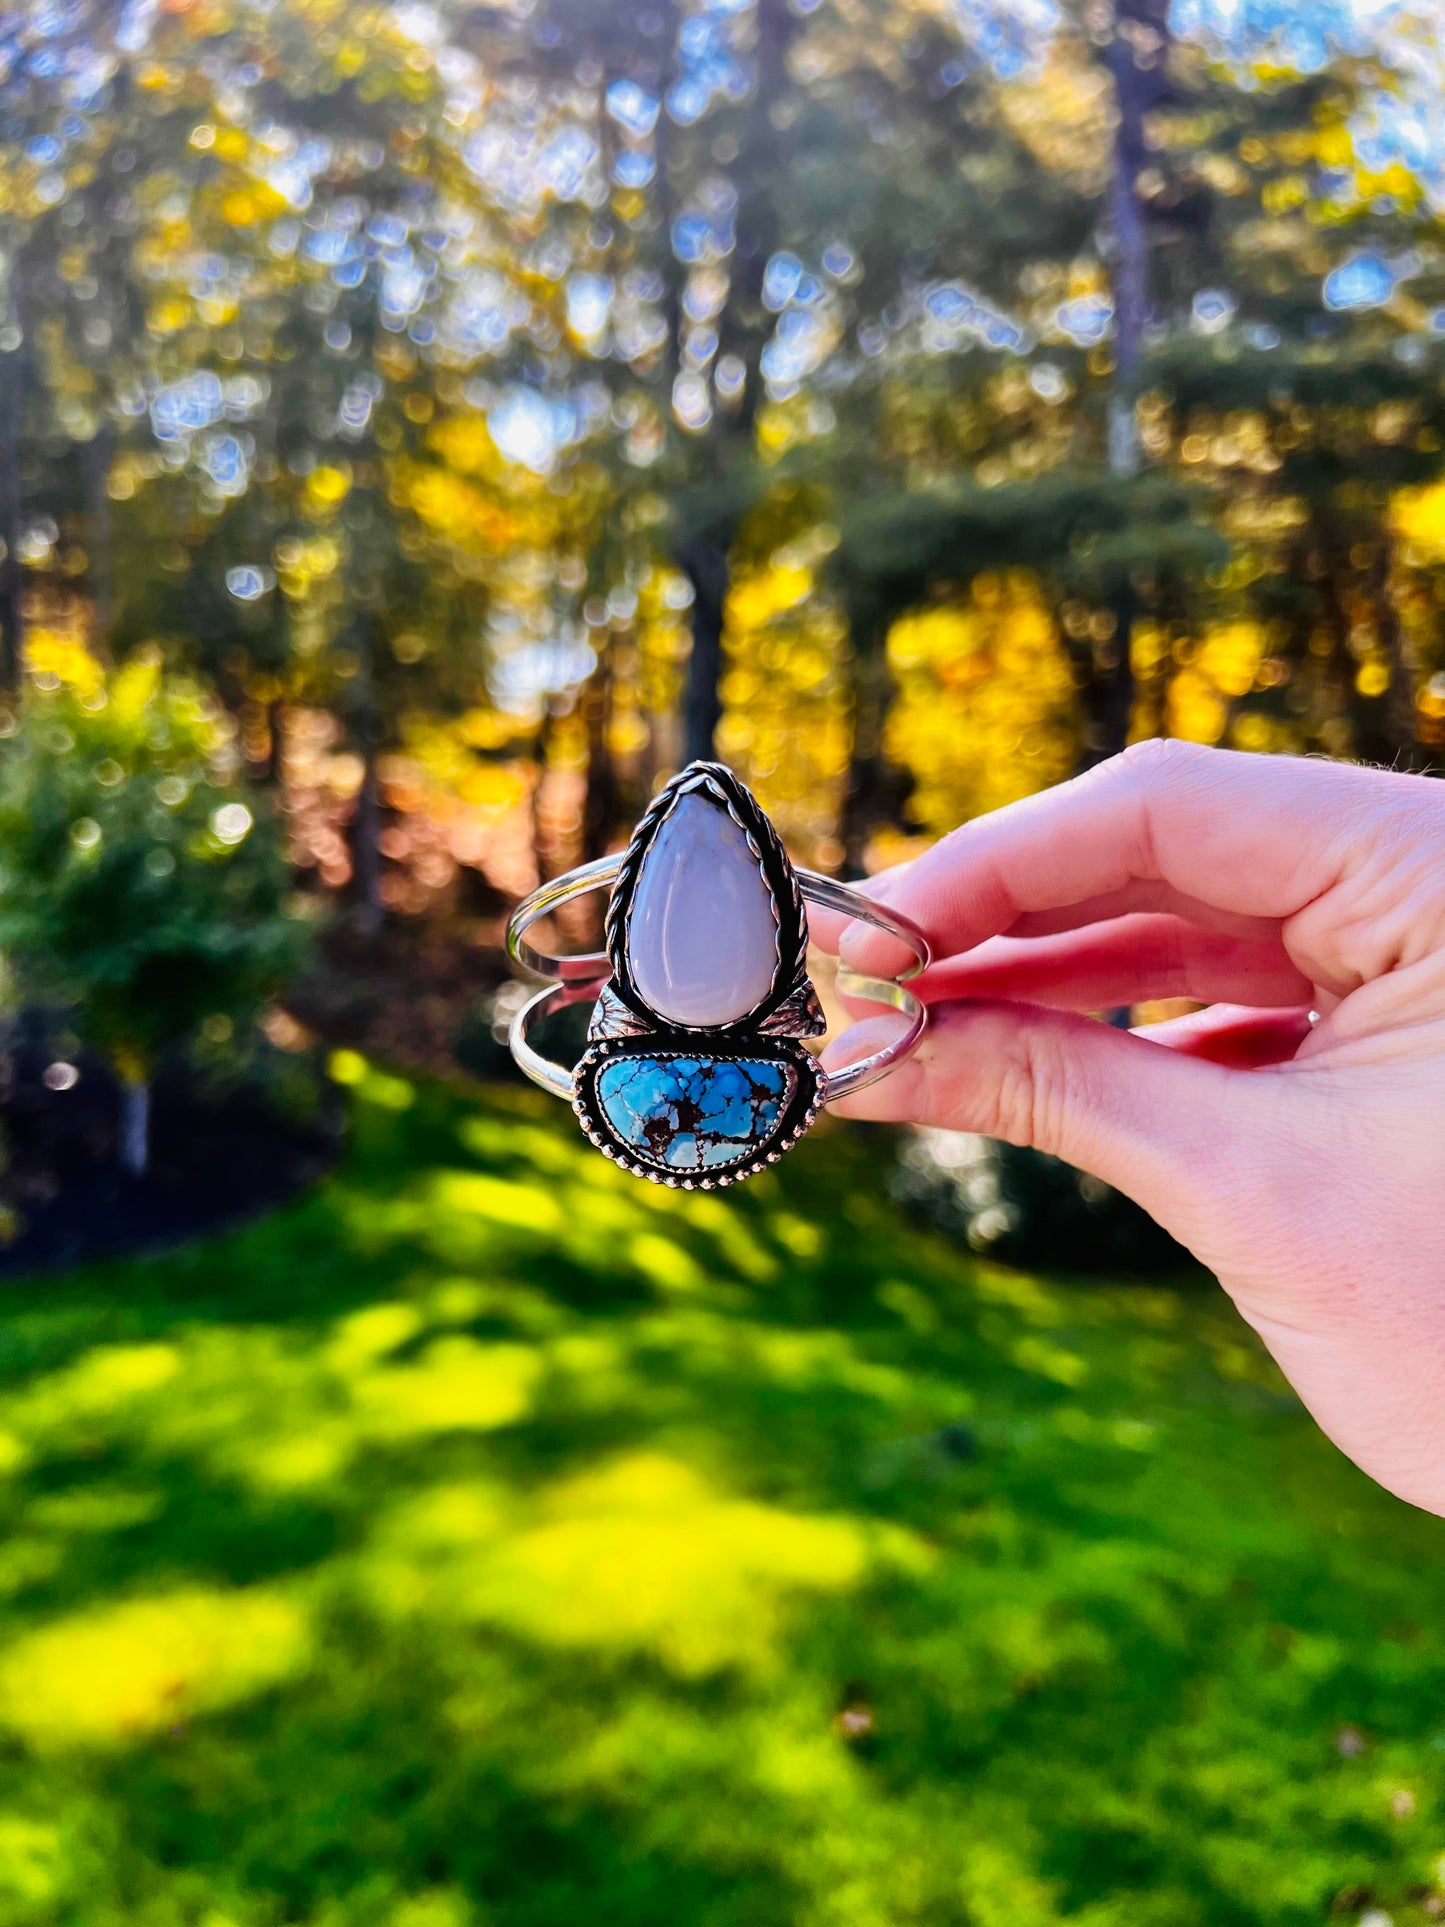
(985, 709)
(1224, 667)
(327, 487)
(1417, 516)
(53, 651)
(755, 599)
(786, 722)
(464, 443)
(455, 509)
(443, 754)
(168, 317)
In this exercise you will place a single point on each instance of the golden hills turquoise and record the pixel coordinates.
(694, 1115)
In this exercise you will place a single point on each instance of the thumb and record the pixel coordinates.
(1147, 1120)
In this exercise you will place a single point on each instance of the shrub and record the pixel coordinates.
(1027, 1208)
(139, 881)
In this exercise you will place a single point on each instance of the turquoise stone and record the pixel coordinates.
(694, 1114)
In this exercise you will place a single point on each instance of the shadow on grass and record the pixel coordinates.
(491, 1538)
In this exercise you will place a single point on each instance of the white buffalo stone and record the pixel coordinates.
(703, 939)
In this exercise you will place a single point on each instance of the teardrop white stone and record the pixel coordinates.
(702, 939)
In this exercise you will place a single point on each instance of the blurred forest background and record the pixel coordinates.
(909, 401)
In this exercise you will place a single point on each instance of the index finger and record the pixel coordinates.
(1258, 836)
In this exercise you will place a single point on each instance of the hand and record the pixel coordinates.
(1293, 1135)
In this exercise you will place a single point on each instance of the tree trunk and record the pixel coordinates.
(1107, 697)
(871, 690)
(135, 1125)
(366, 817)
(274, 773)
(1334, 692)
(1382, 726)
(1130, 258)
(102, 564)
(704, 560)
(601, 801)
(742, 329)
(12, 575)
(1370, 729)
(1400, 698)
(541, 749)
(1137, 54)
(366, 843)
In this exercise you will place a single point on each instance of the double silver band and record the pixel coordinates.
(574, 980)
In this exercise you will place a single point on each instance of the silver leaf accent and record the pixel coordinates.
(612, 1018)
(801, 1015)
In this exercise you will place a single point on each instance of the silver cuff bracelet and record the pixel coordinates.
(695, 1074)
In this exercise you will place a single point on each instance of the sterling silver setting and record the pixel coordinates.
(702, 1104)
(791, 1007)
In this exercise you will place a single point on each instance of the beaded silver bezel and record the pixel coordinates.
(801, 1112)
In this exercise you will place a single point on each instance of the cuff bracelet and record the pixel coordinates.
(695, 1073)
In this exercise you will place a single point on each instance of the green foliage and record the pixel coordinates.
(136, 880)
(493, 1541)
(447, 334)
(1087, 533)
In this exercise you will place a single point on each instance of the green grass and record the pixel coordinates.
(491, 1538)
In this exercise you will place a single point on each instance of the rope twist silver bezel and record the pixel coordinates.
(571, 980)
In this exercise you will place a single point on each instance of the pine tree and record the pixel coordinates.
(1304, 392)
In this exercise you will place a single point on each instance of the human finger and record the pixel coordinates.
(1242, 1036)
(1260, 836)
(1123, 962)
(826, 926)
(1142, 897)
(1146, 1120)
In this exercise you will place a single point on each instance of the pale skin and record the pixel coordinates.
(1292, 1134)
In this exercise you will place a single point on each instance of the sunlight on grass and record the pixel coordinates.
(640, 1554)
(111, 1675)
(30, 1857)
(455, 1385)
(492, 1541)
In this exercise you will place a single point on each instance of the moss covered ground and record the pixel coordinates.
(489, 1540)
